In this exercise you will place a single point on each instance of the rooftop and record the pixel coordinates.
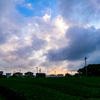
(29, 72)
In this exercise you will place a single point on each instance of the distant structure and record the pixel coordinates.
(52, 75)
(40, 75)
(86, 66)
(17, 74)
(8, 75)
(37, 69)
(1, 74)
(60, 75)
(68, 75)
(29, 74)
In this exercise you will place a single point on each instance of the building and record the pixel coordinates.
(68, 75)
(8, 75)
(1, 74)
(60, 75)
(40, 75)
(78, 75)
(52, 75)
(29, 74)
(17, 74)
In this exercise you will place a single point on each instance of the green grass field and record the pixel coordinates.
(52, 88)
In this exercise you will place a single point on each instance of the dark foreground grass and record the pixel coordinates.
(53, 88)
(25, 91)
(2, 97)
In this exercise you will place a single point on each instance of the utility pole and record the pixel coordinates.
(85, 66)
(37, 69)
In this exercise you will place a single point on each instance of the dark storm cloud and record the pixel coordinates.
(26, 51)
(76, 11)
(82, 41)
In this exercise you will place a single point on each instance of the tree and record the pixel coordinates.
(92, 70)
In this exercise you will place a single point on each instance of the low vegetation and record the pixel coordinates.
(52, 88)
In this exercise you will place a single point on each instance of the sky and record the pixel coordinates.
(54, 35)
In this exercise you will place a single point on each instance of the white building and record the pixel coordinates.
(8, 75)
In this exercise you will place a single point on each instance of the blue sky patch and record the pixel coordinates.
(31, 8)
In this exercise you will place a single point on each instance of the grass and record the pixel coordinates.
(53, 88)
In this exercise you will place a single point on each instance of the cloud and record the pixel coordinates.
(17, 43)
(82, 41)
(29, 6)
(6, 7)
(3, 36)
(26, 51)
(46, 17)
(80, 11)
(24, 37)
(27, 42)
(25, 5)
(93, 58)
(53, 66)
(11, 22)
